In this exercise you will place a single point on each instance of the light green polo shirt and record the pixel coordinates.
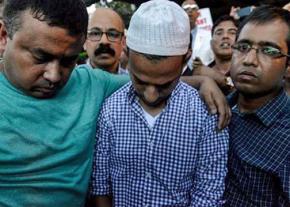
(46, 145)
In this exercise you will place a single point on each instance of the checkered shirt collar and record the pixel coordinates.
(268, 113)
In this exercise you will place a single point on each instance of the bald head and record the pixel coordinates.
(104, 53)
(106, 16)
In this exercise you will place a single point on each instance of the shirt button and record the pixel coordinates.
(148, 175)
(151, 145)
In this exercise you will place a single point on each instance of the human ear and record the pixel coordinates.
(3, 37)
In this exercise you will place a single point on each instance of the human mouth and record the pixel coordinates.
(247, 76)
(46, 90)
(225, 45)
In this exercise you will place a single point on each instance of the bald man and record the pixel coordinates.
(105, 40)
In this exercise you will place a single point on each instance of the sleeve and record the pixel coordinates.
(101, 163)
(209, 180)
(114, 82)
(284, 176)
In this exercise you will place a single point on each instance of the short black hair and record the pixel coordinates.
(68, 14)
(265, 14)
(224, 18)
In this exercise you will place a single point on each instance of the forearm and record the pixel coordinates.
(219, 78)
(194, 81)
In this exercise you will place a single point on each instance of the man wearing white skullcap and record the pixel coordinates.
(157, 144)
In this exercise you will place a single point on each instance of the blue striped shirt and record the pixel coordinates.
(259, 158)
(181, 161)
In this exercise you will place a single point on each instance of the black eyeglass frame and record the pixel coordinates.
(107, 33)
(258, 49)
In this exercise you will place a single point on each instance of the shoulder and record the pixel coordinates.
(85, 71)
(191, 97)
(188, 101)
(119, 97)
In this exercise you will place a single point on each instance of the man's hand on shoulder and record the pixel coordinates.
(215, 101)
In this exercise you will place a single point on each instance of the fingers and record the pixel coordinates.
(216, 102)
(222, 114)
(208, 99)
(211, 105)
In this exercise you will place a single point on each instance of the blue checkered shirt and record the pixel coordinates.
(259, 157)
(181, 161)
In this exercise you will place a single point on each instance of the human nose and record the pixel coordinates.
(151, 94)
(225, 35)
(251, 57)
(104, 37)
(53, 72)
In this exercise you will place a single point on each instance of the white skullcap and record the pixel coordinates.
(159, 27)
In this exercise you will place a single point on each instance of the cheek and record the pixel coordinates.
(66, 74)
(118, 50)
(90, 47)
(273, 73)
(232, 39)
(234, 68)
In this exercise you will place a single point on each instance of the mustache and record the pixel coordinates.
(104, 49)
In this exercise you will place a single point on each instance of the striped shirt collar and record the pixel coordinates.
(267, 113)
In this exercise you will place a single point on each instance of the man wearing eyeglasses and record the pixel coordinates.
(259, 157)
(105, 40)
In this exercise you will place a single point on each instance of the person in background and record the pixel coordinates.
(259, 155)
(156, 143)
(200, 43)
(105, 40)
(223, 37)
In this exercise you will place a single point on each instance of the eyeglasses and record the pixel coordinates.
(112, 35)
(265, 50)
(190, 6)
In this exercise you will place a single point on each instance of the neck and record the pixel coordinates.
(248, 104)
(1, 66)
(152, 110)
(222, 65)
